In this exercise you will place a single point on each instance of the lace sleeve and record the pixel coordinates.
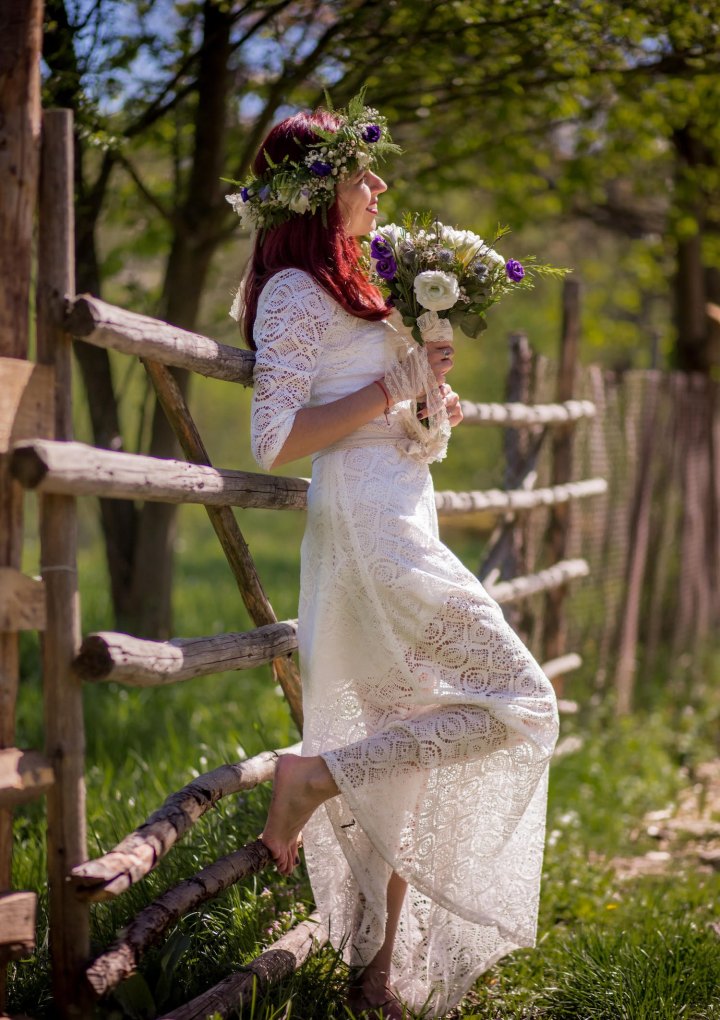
(292, 318)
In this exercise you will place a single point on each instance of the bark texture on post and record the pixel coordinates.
(20, 48)
(556, 540)
(137, 854)
(62, 690)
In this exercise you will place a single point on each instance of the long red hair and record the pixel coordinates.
(326, 252)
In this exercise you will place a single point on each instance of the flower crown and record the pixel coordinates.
(292, 188)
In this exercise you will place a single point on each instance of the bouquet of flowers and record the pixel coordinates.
(426, 269)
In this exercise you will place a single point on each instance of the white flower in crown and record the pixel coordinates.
(436, 290)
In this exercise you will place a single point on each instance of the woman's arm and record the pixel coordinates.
(314, 428)
(317, 427)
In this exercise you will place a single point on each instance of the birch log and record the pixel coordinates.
(140, 663)
(515, 414)
(281, 960)
(149, 926)
(515, 500)
(103, 325)
(137, 854)
(80, 470)
(544, 580)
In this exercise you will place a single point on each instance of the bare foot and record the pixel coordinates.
(381, 1004)
(300, 786)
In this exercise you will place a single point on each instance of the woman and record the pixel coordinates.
(421, 789)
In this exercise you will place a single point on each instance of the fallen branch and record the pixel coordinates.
(137, 854)
(283, 958)
(140, 663)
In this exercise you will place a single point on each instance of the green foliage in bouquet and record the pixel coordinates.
(424, 265)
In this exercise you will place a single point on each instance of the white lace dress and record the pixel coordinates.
(435, 720)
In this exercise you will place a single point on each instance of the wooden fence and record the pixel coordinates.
(47, 460)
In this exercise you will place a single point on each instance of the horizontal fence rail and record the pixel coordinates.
(278, 962)
(103, 325)
(77, 469)
(522, 587)
(24, 775)
(74, 469)
(141, 663)
(137, 854)
(500, 501)
(522, 415)
(149, 926)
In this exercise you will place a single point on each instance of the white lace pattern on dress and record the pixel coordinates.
(435, 720)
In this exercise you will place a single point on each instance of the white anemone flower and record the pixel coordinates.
(436, 290)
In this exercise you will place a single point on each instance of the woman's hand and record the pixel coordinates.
(452, 404)
(440, 355)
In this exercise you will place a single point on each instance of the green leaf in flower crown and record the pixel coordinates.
(473, 325)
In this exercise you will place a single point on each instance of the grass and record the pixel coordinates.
(607, 947)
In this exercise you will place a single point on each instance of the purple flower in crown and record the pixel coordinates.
(386, 268)
(514, 270)
(372, 133)
(245, 194)
(320, 168)
(380, 248)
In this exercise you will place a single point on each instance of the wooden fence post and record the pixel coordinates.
(20, 45)
(554, 632)
(64, 726)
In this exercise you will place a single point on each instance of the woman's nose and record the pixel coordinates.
(378, 185)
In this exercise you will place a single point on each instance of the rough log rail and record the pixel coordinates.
(75, 469)
(278, 962)
(104, 325)
(522, 587)
(137, 854)
(522, 415)
(140, 663)
(23, 776)
(149, 926)
(515, 500)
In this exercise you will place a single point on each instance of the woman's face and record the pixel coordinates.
(357, 197)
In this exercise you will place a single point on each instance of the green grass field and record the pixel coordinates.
(638, 948)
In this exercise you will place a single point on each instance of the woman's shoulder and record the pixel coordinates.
(293, 286)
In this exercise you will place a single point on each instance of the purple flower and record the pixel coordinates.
(514, 270)
(320, 168)
(380, 248)
(386, 267)
(371, 133)
(244, 194)
(264, 193)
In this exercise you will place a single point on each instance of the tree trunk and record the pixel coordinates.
(190, 256)
(693, 348)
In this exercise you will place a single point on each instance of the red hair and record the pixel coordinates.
(324, 250)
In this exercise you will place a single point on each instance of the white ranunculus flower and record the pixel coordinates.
(436, 290)
(392, 232)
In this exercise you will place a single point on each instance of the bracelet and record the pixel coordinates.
(383, 387)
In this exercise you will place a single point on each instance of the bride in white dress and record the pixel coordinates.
(422, 786)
